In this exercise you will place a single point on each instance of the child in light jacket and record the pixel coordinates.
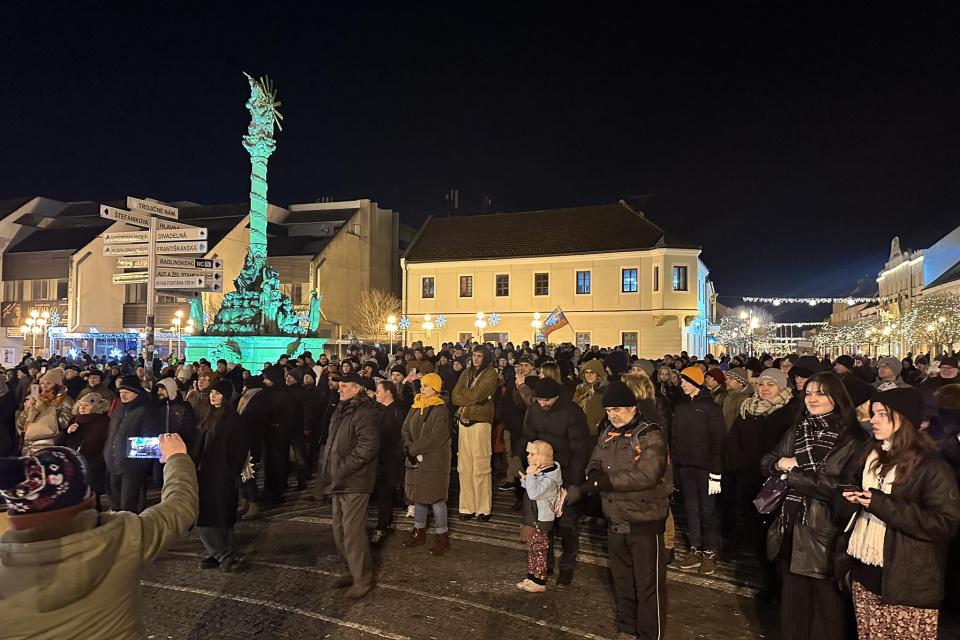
(541, 484)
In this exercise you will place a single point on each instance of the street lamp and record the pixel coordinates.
(536, 324)
(480, 323)
(35, 325)
(392, 329)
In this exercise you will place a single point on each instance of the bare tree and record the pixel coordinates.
(372, 310)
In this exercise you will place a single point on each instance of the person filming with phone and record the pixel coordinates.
(134, 417)
(67, 571)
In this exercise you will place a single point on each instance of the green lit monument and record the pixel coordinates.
(256, 322)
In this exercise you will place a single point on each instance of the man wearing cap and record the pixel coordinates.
(72, 380)
(698, 436)
(843, 365)
(556, 420)
(95, 385)
(133, 417)
(947, 374)
(474, 397)
(631, 470)
(348, 473)
(716, 383)
(888, 374)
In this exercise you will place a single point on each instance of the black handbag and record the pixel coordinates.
(771, 495)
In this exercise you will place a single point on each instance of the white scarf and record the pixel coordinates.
(866, 541)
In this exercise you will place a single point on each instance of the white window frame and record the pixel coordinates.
(636, 271)
(637, 344)
(473, 284)
(497, 275)
(541, 273)
(656, 278)
(589, 340)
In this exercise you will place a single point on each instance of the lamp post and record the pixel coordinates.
(35, 324)
(480, 323)
(392, 329)
(536, 324)
(177, 320)
(428, 326)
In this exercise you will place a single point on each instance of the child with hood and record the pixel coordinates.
(541, 484)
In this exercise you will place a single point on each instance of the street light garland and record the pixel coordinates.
(850, 301)
(934, 320)
(747, 327)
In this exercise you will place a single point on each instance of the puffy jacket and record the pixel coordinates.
(922, 514)
(540, 489)
(349, 462)
(564, 427)
(752, 437)
(698, 433)
(41, 423)
(589, 397)
(135, 418)
(642, 481)
(80, 578)
(813, 555)
(474, 394)
(427, 435)
(731, 405)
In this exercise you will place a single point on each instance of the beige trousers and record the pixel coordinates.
(473, 465)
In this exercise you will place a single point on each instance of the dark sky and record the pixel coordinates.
(793, 144)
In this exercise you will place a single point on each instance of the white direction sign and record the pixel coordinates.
(126, 237)
(125, 249)
(211, 276)
(134, 263)
(165, 247)
(190, 263)
(190, 295)
(119, 215)
(146, 207)
(187, 282)
(136, 277)
(164, 235)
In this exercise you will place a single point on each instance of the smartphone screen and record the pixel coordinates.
(143, 447)
(34, 391)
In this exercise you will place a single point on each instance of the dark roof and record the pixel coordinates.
(296, 246)
(9, 206)
(950, 275)
(57, 239)
(549, 232)
(320, 215)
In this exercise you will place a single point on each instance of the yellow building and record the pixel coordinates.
(617, 277)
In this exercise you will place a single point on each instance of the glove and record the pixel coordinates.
(413, 459)
(597, 480)
(713, 487)
(420, 458)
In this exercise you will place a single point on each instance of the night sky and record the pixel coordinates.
(793, 144)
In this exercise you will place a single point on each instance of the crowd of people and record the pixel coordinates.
(841, 475)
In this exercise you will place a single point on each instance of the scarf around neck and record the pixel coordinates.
(815, 439)
(866, 541)
(421, 402)
(757, 406)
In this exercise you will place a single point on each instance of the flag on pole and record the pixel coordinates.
(553, 322)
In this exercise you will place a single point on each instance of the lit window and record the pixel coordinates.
(466, 286)
(583, 282)
(680, 278)
(503, 285)
(428, 289)
(541, 284)
(628, 281)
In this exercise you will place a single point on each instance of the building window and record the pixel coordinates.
(136, 293)
(502, 338)
(628, 281)
(583, 340)
(680, 278)
(465, 338)
(503, 285)
(13, 290)
(294, 291)
(40, 289)
(583, 282)
(541, 284)
(629, 341)
(62, 289)
(656, 278)
(428, 289)
(466, 286)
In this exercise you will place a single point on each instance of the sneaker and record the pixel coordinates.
(530, 586)
(410, 511)
(466, 516)
(691, 560)
(671, 555)
(230, 563)
(623, 635)
(378, 536)
(709, 564)
(484, 517)
(209, 563)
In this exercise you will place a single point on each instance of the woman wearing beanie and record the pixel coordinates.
(763, 420)
(426, 445)
(805, 537)
(904, 497)
(44, 417)
(589, 394)
(87, 435)
(220, 452)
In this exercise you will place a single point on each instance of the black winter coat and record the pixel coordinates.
(286, 415)
(390, 469)
(349, 460)
(814, 549)
(256, 417)
(564, 427)
(8, 427)
(922, 514)
(176, 416)
(135, 418)
(220, 456)
(752, 437)
(698, 433)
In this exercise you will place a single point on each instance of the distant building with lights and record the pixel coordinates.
(617, 277)
(908, 275)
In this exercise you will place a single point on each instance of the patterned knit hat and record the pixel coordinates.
(54, 478)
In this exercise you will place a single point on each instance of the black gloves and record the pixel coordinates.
(597, 480)
(413, 459)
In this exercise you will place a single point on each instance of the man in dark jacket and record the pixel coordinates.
(133, 417)
(635, 490)
(72, 381)
(556, 420)
(286, 415)
(8, 430)
(348, 471)
(698, 434)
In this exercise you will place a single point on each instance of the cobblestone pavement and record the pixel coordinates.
(285, 589)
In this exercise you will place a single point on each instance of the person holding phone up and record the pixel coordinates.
(133, 417)
(70, 572)
(44, 416)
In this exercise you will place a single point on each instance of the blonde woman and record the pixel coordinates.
(45, 416)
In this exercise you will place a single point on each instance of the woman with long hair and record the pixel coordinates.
(904, 496)
(220, 453)
(804, 539)
(45, 416)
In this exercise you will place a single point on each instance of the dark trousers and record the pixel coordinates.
(350, 536)
(276, 463)
(386, 500)
(639, 567)
(728, 502)
(702, 525)
(569, 539)
(812, 609)
(218, 542)
(125, 489)
(298, 442)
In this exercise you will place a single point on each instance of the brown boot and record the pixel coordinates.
(441, 545)
(419, 537)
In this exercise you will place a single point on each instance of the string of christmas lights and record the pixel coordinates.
(850, 301)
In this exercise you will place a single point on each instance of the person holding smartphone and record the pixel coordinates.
(46, 413)
(135, 416)
(56, 532)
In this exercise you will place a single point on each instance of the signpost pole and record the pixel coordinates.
(151, 299)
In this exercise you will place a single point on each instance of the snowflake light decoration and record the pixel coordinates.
(54, 319)
(73, 352)
(206, 319)
(303, 319)
(493, 319)
(441, 322)
(404, 323)
(115, 353)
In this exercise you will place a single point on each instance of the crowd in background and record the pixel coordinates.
(841, 475)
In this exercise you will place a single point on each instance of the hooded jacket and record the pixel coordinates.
(80, 578)
(564, 427)
(698, 433)
(590, 397)
(474, 392)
